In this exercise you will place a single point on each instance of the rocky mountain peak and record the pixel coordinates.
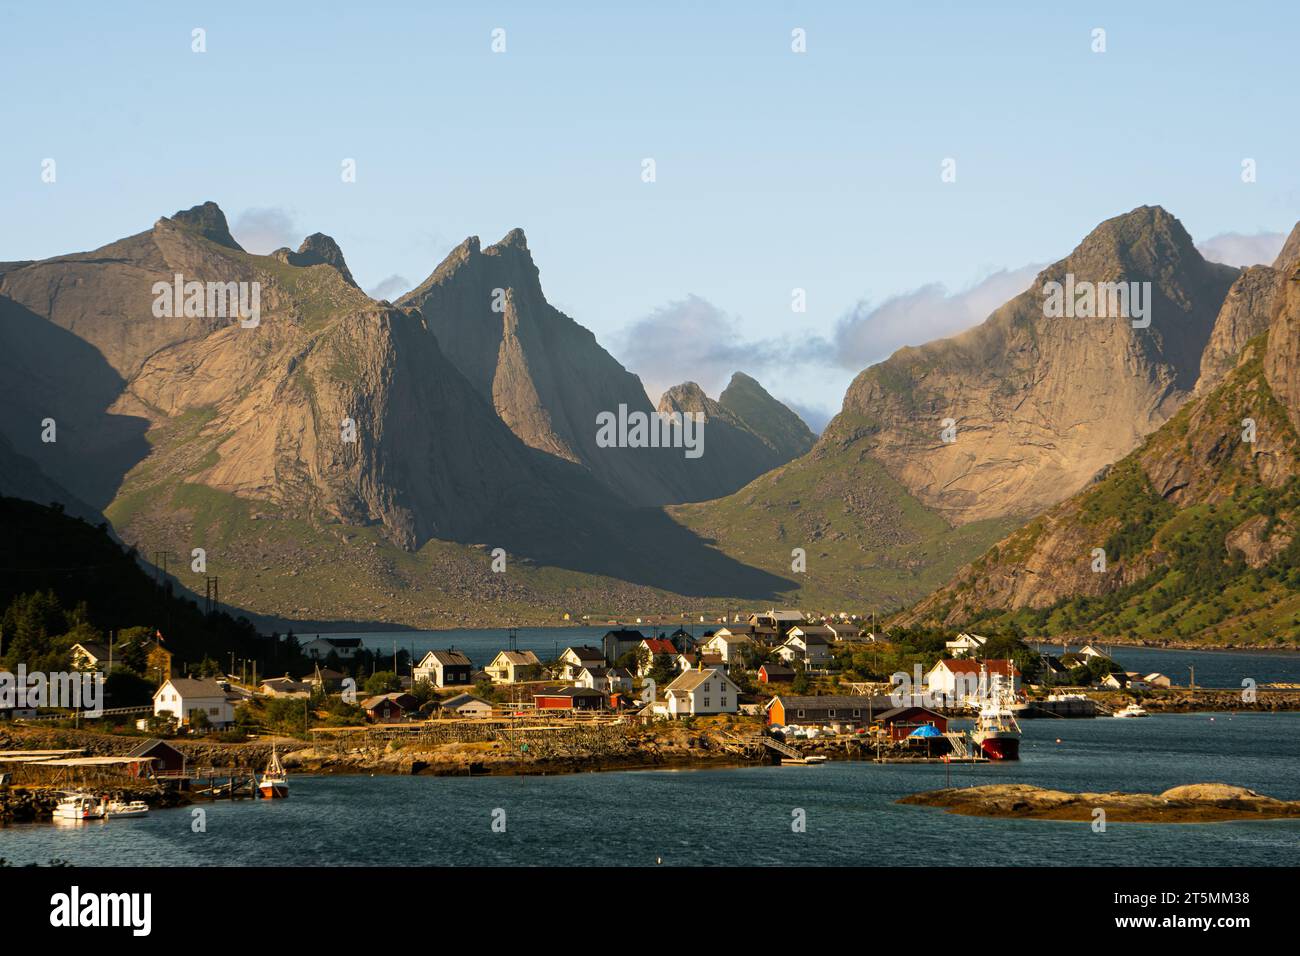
(209, 221)
(320, 249)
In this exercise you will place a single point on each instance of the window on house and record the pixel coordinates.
(801, 713)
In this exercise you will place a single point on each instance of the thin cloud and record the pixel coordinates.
(389, 288)
(869, 333)
(261, 230)
(1238, 249)
(692, 340)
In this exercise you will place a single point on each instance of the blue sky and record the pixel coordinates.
(775, 170)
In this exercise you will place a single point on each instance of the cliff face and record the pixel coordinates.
(1198, 525)
(1040, 403)
(548, 378)
(1244, 314)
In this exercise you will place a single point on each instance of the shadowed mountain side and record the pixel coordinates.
(584, 527)
(47, 372)
(548, 379)
(21, 477)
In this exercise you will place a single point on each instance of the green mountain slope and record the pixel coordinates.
(1198, 525)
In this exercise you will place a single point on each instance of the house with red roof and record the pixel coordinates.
(654, 646)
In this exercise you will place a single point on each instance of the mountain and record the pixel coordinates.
(883, 505)
(1198, 525)
(767, 418)
(1040, 403)
(731, 448)
(1244, 314)
(329, 457)
(548, 378)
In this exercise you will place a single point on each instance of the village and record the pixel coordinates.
(774, 686)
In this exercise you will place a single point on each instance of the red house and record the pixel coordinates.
(569, 698)
(901, 721)
(389, 707)
(775, 674)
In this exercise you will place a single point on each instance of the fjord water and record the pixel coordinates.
(1213, 668)
(737, 816)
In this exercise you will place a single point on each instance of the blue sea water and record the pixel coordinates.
(737, 816)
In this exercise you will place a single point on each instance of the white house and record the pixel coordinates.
(444, 668)
(467, 705)
(707, 691)
(1157, 679)
(956, 680)
(965, 645)
(183, 697)
(575, 659)
(607, 680)
(512, 667)
(725, 645)
(806, 644)
(344, 648)
(1093, 652)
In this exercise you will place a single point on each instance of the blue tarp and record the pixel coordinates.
(925, 730)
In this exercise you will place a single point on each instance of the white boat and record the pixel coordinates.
(131, 808)
(274, 784)
(1132, 710)
(79, 806)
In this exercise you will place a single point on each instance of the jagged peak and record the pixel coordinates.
(1144, 234)
(512, 241)
(318, 249)
(207, 220)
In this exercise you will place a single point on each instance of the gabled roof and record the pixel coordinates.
(143, 750)
(689, 680)
(809, 638)
(95, 649)
(460, 700)
(659, 645)
(405, 701)
(965, 665)
(518, 658)
(625, 634)
(586, 653)
(730, 639)
(193, 687)
(447, 658)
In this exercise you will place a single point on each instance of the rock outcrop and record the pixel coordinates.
(1193, 803)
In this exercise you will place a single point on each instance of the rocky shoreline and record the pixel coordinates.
(1192, 803)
